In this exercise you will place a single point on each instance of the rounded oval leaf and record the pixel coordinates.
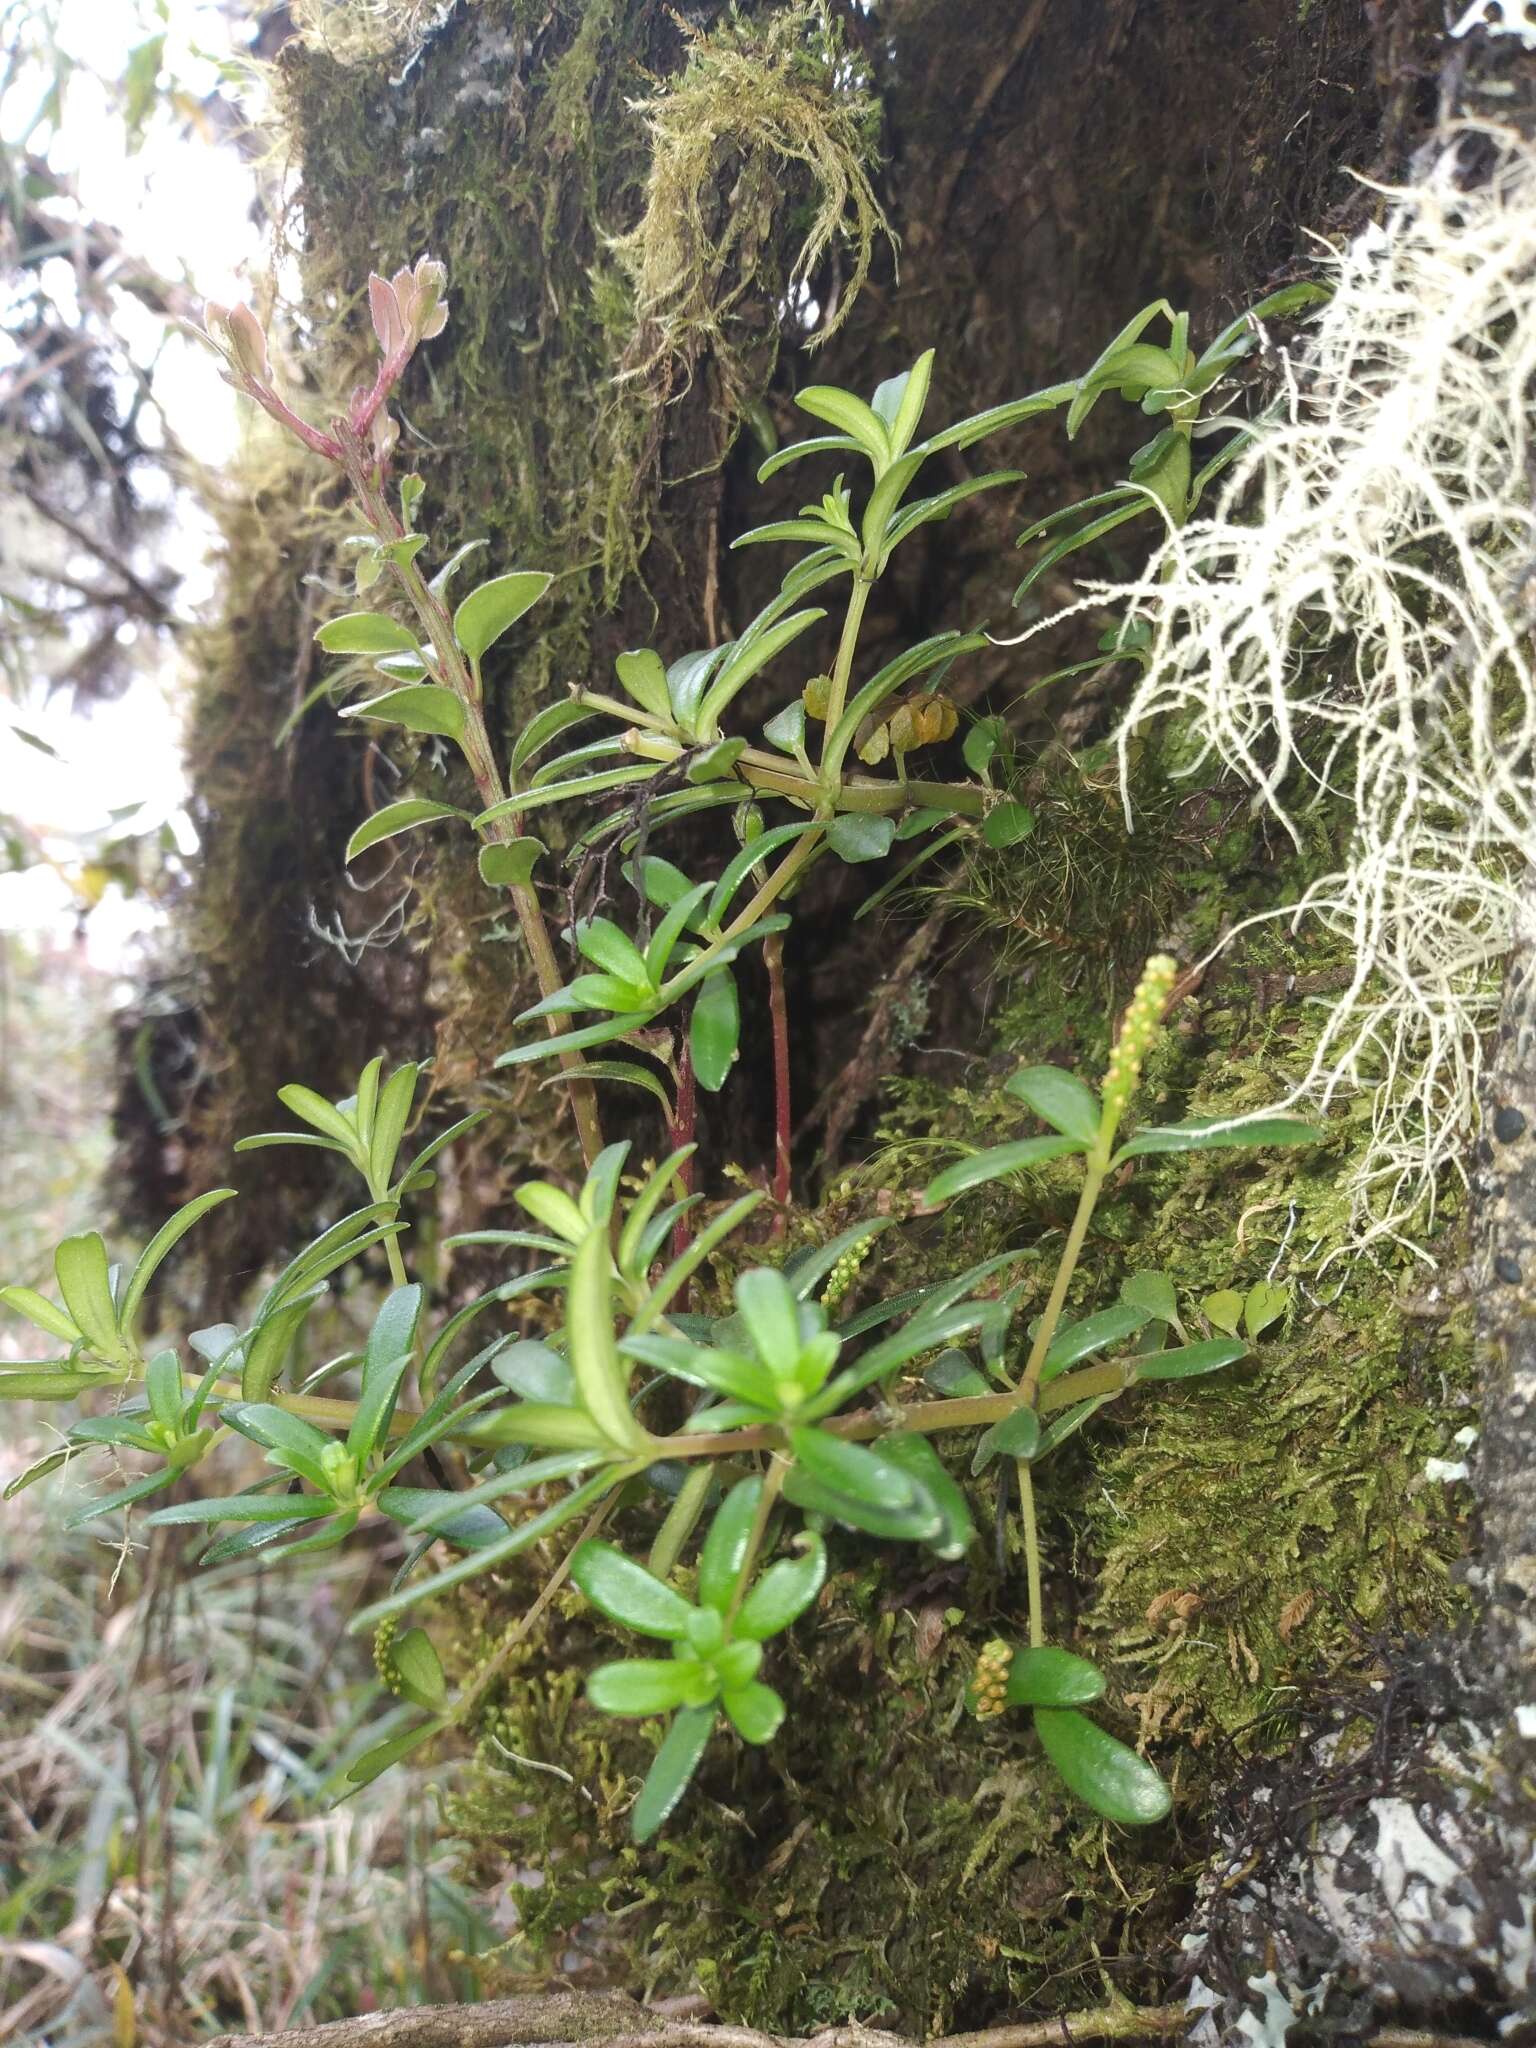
(1048, 1677)
(1059, 1099)
(626, 1592)
(783, 1592)
(419, 707)
(510, 863)
(486, 613)
(366, 633)
(644, 1685)
(725, 1547)
(1104, 1774)
(756, 1712)
(861, 835)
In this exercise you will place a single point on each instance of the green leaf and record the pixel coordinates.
(1104, 1774)
(509, 864)
(391, 1116)
(81, 1266)
(428, 1510)
(851, 1469)
(396, 818)
(535, 1372)
(1016, 1436)
(671, 1772)
(819, 444)
(549, 1425)
(916, 1456)
(859, 835)
(918, 1523)
(1059, 1099)
(996, 1163)
(419, 707)
(648, 1685)
(1224, 1310)
(1265, 1305)
(768, 1308)
(267, 1346)
(164, 1241)
(784, 1591)
(714, 1030)
(486, 613)
(744, 660)
(925, 510)
(701, 1365)
(1210, 1134)
(981, 744)
(786, 729)
(1048, 1677)
(568, 1041)
(909, 394)
(373, 1763)
(644, 677)
(1006, 824)
(244, 1507)
(725, 1548)
(1189, 1361)
(419, 1670)
(162, 1385)
(965, 433)
(42, 1385)
(755, 1711)
(366, 633)
(600, 1372)
(954, 1377)
(1074, 1341)
(125, 1497)
(544, 727)
(1154, 1293)
(741, 864)
(850, 416)
(626, 1592)
(41, 1312)
(323, 1115)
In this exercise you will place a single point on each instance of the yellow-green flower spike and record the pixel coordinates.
(989, 1683)
(1138, 1028)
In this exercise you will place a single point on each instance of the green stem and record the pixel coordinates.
(1093, 1181)
(799, 856)
(396, 1263)
(778, 1471)
(842, 668)
(475, 744)
(682, 1519)
(854, 793)
(932, 1418)
(1031, 1552)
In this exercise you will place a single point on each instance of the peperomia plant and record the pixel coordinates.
(728, 1443)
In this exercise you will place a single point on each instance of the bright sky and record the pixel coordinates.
(182, 200)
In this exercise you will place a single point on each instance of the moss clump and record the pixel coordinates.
(768, 107)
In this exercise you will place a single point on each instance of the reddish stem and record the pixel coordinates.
(778, 1010)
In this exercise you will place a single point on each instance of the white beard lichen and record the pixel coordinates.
(1351, 619)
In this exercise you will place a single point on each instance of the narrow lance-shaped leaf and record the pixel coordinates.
(671, 1772)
